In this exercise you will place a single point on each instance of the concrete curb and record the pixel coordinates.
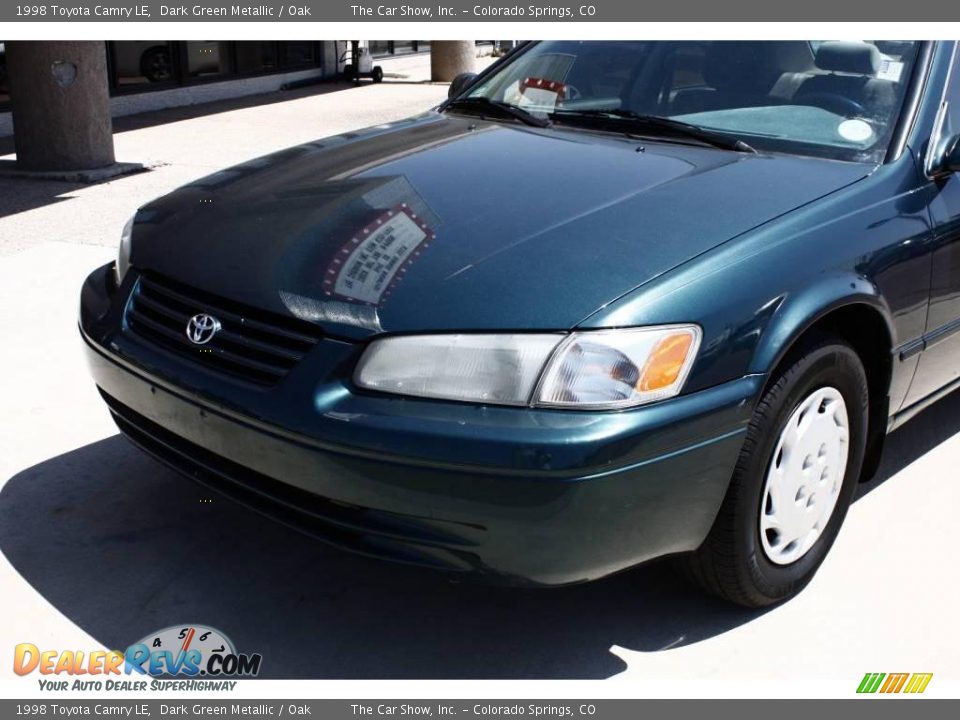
(8, 169)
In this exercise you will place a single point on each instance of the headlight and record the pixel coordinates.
(499, 369)
(600, 369)
(619, 368)
(123, 253)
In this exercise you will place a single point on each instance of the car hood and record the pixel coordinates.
(451, 223)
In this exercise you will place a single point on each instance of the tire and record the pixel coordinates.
(377, 74)
(740, 560)
(155, 64)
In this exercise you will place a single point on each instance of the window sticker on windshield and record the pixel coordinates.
(540, 92)
(368, 267)
(890, 70)
(858, 131)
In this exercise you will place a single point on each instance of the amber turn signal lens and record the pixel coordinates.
(665, 363)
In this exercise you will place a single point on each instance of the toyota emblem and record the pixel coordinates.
(202, 328)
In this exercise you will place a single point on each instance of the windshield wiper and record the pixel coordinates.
(646, 124)
(484, 104)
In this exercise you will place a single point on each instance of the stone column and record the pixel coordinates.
(449, 58)
(60, 104)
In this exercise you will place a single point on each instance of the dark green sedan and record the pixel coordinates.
(609, 302)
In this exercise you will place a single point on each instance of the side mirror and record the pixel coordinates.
(948, 159)
(460, 82)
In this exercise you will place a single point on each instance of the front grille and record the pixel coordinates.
(252, 345)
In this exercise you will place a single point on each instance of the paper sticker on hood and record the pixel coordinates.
(366, 268)
(372, 231)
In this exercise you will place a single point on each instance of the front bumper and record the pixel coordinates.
(540, 497)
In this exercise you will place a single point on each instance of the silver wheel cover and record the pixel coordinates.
(805, 476)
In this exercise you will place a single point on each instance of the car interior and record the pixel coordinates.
(839, 76)
(795, 92)
(845, 77)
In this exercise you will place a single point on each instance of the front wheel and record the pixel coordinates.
(793, 482)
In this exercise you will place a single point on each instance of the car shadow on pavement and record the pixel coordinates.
(934, 426)
(123, 546)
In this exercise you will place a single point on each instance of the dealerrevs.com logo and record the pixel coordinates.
(184, 652)
(887, 683)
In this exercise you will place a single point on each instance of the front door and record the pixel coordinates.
(940, 363)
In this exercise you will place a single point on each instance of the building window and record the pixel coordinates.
(397, 47)
(205, 58)
(256, 57)
(147, 65)
(297, 54)
(4, 85)
(141, 62)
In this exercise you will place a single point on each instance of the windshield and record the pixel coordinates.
(833, 99)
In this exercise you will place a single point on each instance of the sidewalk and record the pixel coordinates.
(182, 144)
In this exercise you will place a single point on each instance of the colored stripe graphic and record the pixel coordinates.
(894, 683)
(918, 682)
(870, 682)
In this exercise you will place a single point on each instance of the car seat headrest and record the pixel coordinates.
(849, 57)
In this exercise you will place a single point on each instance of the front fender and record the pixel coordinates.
(749, 321)
(755, 295)
(800, 310)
